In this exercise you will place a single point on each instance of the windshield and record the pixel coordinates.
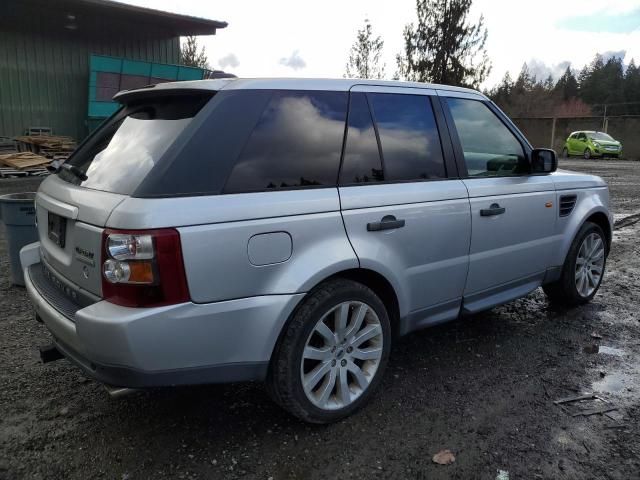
(125, 149)
(601, 136)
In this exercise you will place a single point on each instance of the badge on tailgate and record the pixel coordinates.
(57, 229)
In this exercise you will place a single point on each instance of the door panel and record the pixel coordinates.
(427, 258)
(414, 232)
(514, 244)
(512, 212)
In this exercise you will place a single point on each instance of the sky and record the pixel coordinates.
(296, 38)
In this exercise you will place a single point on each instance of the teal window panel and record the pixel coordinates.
(102, 109)
(169, 72)
(93, 78)
(190, 73)
(131, 67)
(106, 64)
(92, 93)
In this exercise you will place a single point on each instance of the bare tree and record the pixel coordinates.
(443, 47)
(364, 57)
(191, 56)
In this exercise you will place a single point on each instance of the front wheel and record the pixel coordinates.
(583, 268)
(333, 353)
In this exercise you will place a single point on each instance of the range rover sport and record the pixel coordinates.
(287, 230)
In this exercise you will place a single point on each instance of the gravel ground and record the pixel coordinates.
(482, 387)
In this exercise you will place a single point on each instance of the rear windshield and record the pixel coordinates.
(119, 156)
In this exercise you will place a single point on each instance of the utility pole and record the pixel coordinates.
(604, 119)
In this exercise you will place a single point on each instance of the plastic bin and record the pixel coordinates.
(18, 213)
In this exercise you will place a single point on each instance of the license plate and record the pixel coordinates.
(57, 229)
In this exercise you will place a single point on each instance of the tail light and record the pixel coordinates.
(143, 268)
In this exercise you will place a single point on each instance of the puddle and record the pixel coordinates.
(616, 352)
(616, 382)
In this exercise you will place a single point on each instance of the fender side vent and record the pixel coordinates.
(567, 203)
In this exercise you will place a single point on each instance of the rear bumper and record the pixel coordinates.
(178, 344)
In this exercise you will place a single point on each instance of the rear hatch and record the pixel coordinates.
(74, 205)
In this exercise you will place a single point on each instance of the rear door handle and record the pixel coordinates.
(388, 222)
(494, 209)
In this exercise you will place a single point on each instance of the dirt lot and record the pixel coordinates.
(483, 387)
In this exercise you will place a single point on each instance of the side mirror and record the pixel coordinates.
(543, 160)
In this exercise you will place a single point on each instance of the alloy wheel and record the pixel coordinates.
(589, 264)
(341, 355)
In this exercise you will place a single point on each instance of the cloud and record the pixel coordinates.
(603, 21)
(294, 61)
(229, 60)
(613, 54)
(541, 70)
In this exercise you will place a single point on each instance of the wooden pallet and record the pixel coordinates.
(23, 160)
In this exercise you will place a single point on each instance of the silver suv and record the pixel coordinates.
(287, 230)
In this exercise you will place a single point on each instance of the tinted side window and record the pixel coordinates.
(408, 136)
(297, 142)
(582, 136)
(361, 162)
(490, 149)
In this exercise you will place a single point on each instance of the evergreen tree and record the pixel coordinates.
(443, 46)
(567, 85)
(364, 57)
(631, 88)
(191, 56)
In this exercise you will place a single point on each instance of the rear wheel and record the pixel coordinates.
(583, 268)
(565, 153)
(333, 353)
(587, 154)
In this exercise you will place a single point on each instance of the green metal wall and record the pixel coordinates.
(44, 77)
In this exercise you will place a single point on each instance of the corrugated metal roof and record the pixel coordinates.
(73, 12)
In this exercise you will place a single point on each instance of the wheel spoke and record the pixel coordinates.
(356, 322)
(327, 387)
(343, 387)
(314, 353)
(597, 269)
(359, 375)
(312, 378)
(580, 261)
(580, 285)
(326, 333)
(365, 334)
(372, 353)
(342, 317)
(595, 245)
(598, 255)
(592, 282)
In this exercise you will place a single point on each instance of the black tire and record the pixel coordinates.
(284, 382)
(564, 291)
(587, 154)
(565, 153)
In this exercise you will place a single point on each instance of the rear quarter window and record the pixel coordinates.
(297, 142)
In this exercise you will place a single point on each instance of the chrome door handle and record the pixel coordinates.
(494, 209)
(388, 222)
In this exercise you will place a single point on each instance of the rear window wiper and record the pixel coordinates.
(55, 167)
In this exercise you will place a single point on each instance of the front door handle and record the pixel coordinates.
(388, 222)
(494, 209)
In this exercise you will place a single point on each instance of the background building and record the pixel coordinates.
(45, 51)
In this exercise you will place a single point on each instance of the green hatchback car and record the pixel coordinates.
(588, 144)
